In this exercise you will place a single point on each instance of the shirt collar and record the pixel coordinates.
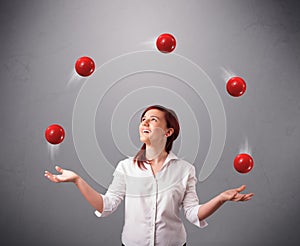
(171, 156)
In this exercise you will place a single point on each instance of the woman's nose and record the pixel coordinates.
(145, 122)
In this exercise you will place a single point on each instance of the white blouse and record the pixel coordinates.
(153, 202)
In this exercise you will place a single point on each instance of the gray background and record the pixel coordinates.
(40, 42)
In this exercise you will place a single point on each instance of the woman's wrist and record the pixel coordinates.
(222, 198)
(77, 180)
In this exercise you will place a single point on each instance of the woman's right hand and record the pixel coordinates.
(65, 176)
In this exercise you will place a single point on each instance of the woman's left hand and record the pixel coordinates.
(235, 195)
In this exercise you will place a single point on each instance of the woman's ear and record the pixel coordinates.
(169, 132)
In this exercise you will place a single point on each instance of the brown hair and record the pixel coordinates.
(172, 122)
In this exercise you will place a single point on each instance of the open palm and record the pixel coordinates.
(235, 195)
(65, 176)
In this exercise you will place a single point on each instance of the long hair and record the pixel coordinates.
(172, 122)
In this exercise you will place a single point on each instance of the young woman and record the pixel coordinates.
(156, 184)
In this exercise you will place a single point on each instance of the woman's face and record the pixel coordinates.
(153, 127)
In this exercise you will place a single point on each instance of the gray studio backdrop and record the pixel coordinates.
(40, 42)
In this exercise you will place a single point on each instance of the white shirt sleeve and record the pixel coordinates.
(115, 193)
(190, 201)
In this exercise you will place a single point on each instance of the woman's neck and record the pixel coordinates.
(155, 155)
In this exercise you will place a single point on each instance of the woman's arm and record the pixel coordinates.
(92, 196)
(208, 208)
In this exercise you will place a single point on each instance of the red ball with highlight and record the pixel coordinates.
(54, 134)
(236, 86)
(166, 43)
(85, 66)
(243, 163)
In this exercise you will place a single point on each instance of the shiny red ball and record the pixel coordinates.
(85, 66)
(243, 163)
(166, 43)
(236, 86)
(54, 134)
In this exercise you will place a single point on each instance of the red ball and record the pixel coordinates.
(236, 86)
(85, 66)
(55, 134)
(166, 43)
(243, 163)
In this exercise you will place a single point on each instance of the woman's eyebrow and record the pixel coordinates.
(151, 116)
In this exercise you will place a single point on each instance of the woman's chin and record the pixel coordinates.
(144, 140)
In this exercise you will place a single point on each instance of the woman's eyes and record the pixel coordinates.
(153, 119)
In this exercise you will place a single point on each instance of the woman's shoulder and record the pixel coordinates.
(184, 163)
(125, 164)
(186, 167)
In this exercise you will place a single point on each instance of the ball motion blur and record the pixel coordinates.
(166, 43)
(54, 134)
(85, 66)
(243, 163)
(236, 86)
